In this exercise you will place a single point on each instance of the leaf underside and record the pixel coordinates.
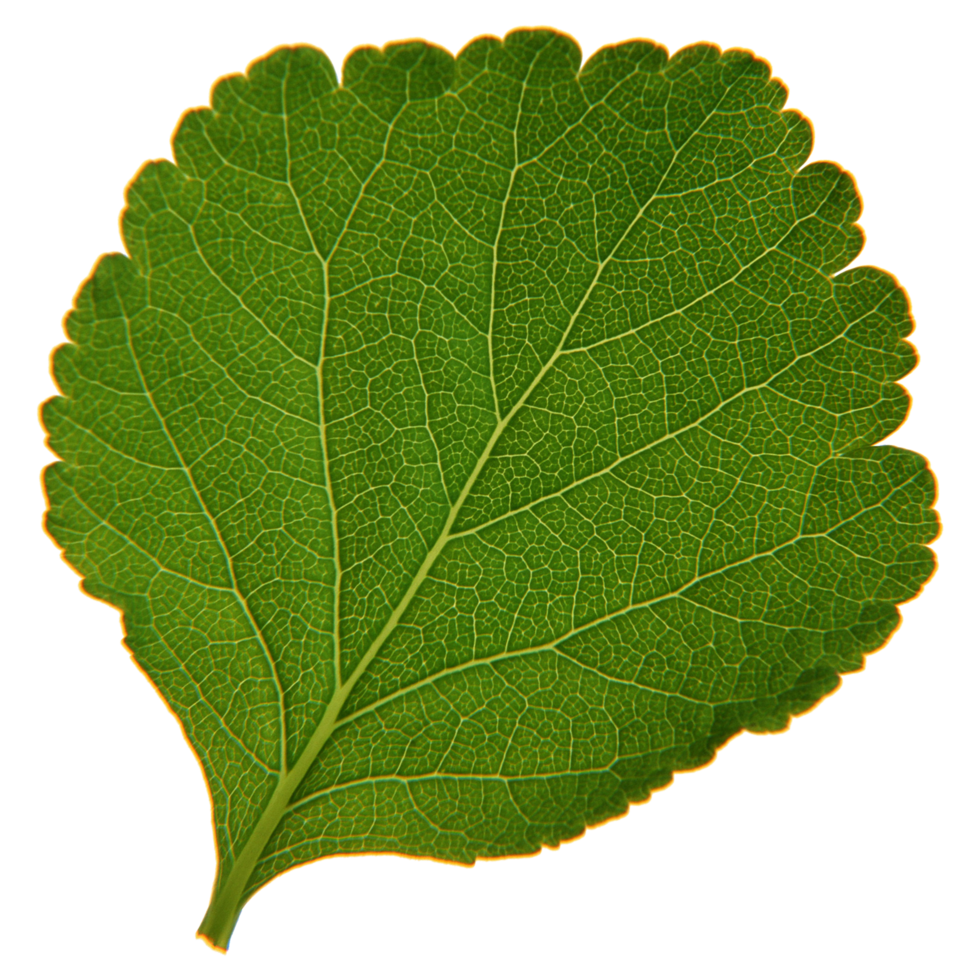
(472, 445)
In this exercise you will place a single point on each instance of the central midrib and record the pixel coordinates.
(291, 779)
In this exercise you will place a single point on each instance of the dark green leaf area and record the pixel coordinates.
(471, 445)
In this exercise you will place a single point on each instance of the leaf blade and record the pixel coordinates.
(378, 397)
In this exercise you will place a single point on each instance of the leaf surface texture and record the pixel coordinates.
(472, 445)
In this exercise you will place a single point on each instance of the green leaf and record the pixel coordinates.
(473, 445)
